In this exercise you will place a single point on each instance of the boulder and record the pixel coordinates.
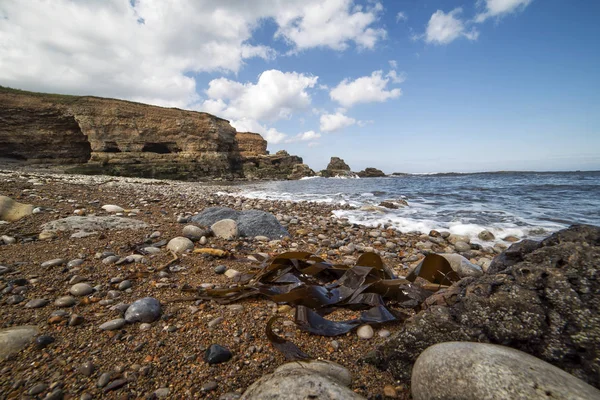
(250, 223)
(303, 380)
(453, 239)
(300, 171)
(13, 340)
(193, 232)
(462, 266)
(371, 173)
(225, 229)
(11, 210)
(462, 247)
(93, 224)
(547, 305)
(337, 164)
(486, 236)
(473, 371)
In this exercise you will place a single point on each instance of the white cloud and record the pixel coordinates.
(304, 137)
(401, 16)
(444, 28)
(335, 122)
(393, 64)
(271, 135)
(366, 89)
(499, 8)
(396, 77)
(330, 23)
(149, 50)
(274, 96)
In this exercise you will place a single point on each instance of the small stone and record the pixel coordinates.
(43, 340)
(384, 333)
(209, 386)
(8, 239)
(15, 299)
(215, 322)
(87, 368)
(180, 244)
(75, 320)
(193, 232)
(151, 250)
(37, 389)
(126, 284)
(145, 326)
(53, 263)
(144, 310)
(220, 269)
(114, 324)
(116, 384)
(111, 208)
(103, 379)
(203, 240)
(232, 273)
(65, 301)
(390, 391)
(75, 263)
(261, 238)
(217, 354)
(162, 392)
(110, 260)
(36, 303)
(46, 235)
(86, 396)
(365, 332)
(462, 247)
(81, 289)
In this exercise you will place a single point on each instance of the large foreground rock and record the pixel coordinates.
(11, 210)
(547, 305)
(304, 380)
(250, 223)
(473, 371)
(13, 340)
(92, 224)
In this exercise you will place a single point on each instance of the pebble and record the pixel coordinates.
(217, 354)
(86, 396)
(365, 332)
(152, 250)
(87, 368)
(44, 340)
(116, 384)
(37, 389)
(462, 247)
(220, 269)
(15, 299)
(162, 392)
(103, 379)
(144, 310)
(81, 289)
(209, 386)
(8, 239)
(225, 229)
(384, 333)
(75, 320)
(36, 303)
(203, 240)
(75, 263)
(126, 284)
(193, 232)
(232, 273)
(111, 208)
(110, 260)
(114, 324)
(215, 322)
(180, 244)
(390, 391)
(53, 263)
(145, 326)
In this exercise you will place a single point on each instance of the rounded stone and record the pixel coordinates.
(193, 232)
(111, 208)
(217, 354)
(144, 310)
(321, 367)
(126, 284)
(220, 269)
(53, 263)
(44, 340)
(113, 324)
(365, 332)
(180, 244)
(488, 371)
(65, 301)
(486, 236)
(81, 289)
(462, 247)
(36, 303)
(13, 340)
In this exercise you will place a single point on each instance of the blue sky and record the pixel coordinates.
(404, 86)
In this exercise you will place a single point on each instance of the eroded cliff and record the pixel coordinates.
(119, 137)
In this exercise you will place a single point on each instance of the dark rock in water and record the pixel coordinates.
(300, 171)
(43, 341)
(514, 254)
(547, 305)
(251, 223)
(337, 164)
(143, 310)
(216, 354)
(371, 173)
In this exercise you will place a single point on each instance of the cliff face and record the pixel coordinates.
(124, 138)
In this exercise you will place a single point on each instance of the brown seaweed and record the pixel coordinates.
(290, 351)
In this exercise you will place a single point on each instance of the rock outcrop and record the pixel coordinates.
(124, 138)
(337, 167)
(547, 304)
(371, 173)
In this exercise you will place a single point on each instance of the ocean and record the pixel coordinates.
(520, 204)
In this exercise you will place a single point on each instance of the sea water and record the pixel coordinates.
(520, 204)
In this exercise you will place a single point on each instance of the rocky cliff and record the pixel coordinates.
(119, 137)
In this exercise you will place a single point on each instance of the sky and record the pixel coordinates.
(400, 85)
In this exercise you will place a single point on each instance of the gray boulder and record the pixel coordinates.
(473, 371)
(547, 305)
(462, 266)
(250, 223)
(92, 224)
(303, 380)
(13, 340)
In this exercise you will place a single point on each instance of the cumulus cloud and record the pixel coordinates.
(304, 137)
(335, 122)
(401, 16)
(444, 28)
(149, 50)
(271, 135)
(499, 8)
(274, 96)
(366, 89)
